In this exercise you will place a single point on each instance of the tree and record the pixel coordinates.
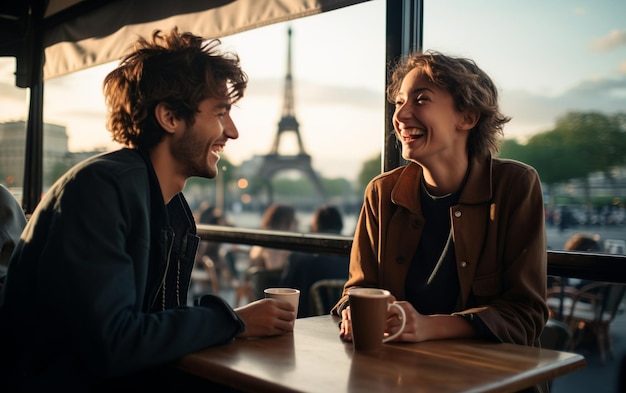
(57, 170)
(337, 187)
(369, 170)
(511, 148)
(555, 159)
(596, 138)
(580, 144)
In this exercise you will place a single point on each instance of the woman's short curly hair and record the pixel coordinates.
(177, 69)
(471, 88)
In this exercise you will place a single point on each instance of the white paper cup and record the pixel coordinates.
(291, 295)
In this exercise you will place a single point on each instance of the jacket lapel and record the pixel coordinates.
(473, 207)
(404, 231)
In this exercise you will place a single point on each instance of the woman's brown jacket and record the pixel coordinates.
(499, 240)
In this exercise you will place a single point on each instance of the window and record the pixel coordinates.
(561, 68)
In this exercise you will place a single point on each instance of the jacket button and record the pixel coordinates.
(457, 214)
(400, 260)
(463, 264)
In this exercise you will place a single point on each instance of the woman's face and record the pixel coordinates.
(427, 123)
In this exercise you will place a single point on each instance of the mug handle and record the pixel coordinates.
(396, 334)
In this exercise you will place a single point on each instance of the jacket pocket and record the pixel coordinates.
(487, 285)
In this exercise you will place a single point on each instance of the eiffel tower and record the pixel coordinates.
(274, 162)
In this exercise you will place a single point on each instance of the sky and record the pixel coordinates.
(547, 58)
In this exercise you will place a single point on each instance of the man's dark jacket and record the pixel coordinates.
(95, 295)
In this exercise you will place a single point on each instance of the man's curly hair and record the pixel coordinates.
(177, 69)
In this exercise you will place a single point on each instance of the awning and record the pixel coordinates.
(81, 34)
(77, 34)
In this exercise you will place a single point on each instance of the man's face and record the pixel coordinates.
(197, 148)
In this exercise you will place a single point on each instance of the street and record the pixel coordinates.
(556, 239)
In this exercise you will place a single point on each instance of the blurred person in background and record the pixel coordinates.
(12, 223)
(277, 217)
(305, 269)
(583, 242)
(265, 263)
(210, 259)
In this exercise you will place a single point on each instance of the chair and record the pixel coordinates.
(555, 335)
(260, 279)
(324, 294)
(305, 269)
(593, 308)
(237, 263)
(204, 275)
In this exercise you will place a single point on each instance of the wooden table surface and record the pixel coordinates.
(314, 359)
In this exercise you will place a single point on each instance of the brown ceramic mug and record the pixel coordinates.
(368, 311)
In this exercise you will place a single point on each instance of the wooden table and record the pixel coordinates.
(314, 359)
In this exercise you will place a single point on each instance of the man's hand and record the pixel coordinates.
(266, 317)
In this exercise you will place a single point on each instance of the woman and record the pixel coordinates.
(277, 217)
(267, 264)
(457, 235)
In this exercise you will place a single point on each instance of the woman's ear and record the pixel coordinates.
(165, 117)
(469, 120)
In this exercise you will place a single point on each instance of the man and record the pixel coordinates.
(96, 289)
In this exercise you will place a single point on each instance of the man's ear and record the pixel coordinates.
(165, 117)
(469, 120)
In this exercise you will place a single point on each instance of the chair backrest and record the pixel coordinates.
(237, 259)
(555, 335)
(595, 302)
(261, 279)
(611, 301)
(324, 294)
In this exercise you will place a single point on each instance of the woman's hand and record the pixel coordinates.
(392, 325)
(413, 330)
(345, 327)
(421, 327)
(267, 317)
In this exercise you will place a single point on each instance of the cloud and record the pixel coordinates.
(599, 88)
(85, 113)
(535, 113)
(10, 92)
(13, 102)
(609, 42)
(313, 93)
